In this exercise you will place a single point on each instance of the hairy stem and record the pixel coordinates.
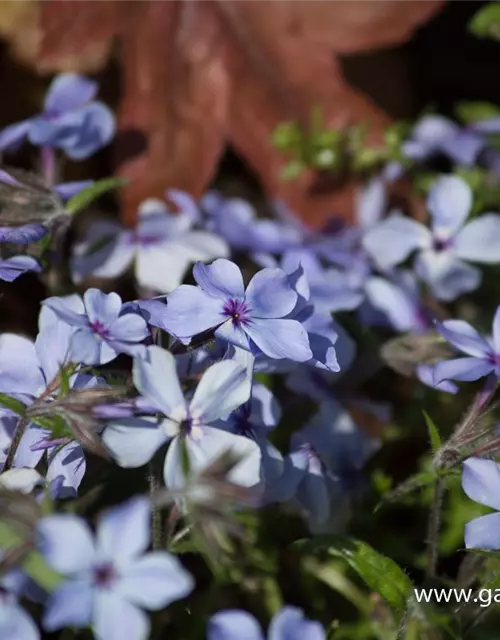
(16, 439)
(433, 528)
(156, 525)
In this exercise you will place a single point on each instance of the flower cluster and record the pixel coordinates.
(230, 375)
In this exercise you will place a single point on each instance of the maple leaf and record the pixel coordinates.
(202, 75)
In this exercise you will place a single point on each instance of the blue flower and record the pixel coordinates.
(481, 482)
(27, 370)
(235, 220)
(483, 355)
(435, 134)
(253, 319)
(162, 246)
(188, 425)
(255, 420)
(443, 251)
(110, 578)
(12, 268)
(101, 329)
(15, 622)
(71, 120)
(287, 624)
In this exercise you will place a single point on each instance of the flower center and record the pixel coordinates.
(238, 311)
(494, 358)
(441, 244)
(104, 575)
(98, 327)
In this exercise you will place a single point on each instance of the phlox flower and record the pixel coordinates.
(71, 120)
(162, 246)
(27, 369)
(435, 134)
(235, 220)
(289, 623)
(445, 249)
(483, 355)
(481, 482)
(186, 424)
(102, 329)
(255, 420)
(254, 319)
(325, 456)
(110, 578)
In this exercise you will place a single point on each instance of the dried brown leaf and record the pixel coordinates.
(203, 74)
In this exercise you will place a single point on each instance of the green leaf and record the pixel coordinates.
(287, 136)
(292, 170)
(380, 573)
(33, 564)
(433, 433)
(470, 112)
(486, 22)
(88, 195)
(11, 403)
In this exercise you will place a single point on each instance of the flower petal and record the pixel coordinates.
(12, 136)
(235, 335)
(464, 337)
(213, 443)
(391, 241)
(115, 618)
(462, 369)
(279, 338)
(371, 203)
(483, 532)
(130, 327)
(67, 464)
(191, 311)
(270, 295)
(394, 302)
(222, 388)
(221, 279)
(86, 347)
(12, 268)
(66, 543)
(155, 580)
(102, 307)
(447, 276)
(290, 624)
(449, 203)
(69, 91)
(124, 532)
(133, 441)
(96, 129)
(160, 267)
(479, 240)
(19, 365)
(65, 311)
(233, 623)
(111, 261)
(69, 606)
(157, 380)
(481, 481)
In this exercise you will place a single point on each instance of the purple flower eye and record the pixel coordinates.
(104, 575)
(98, 327)
(238, 310)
